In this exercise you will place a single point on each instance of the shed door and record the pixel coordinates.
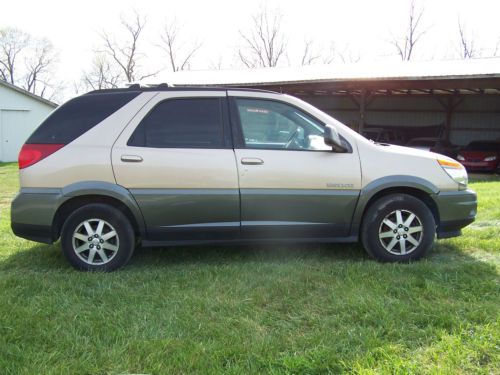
(15, 129)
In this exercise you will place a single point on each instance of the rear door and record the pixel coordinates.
(291, 183)
(177, 160)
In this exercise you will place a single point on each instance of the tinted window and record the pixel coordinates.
(274, 125)
(483, 146)
(189, 123)
(77, 116)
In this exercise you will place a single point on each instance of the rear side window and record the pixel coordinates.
(181, 123)
(77, 116)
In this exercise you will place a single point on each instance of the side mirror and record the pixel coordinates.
(332, 139)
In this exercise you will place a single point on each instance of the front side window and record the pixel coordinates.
(270, 124)
(181, 123)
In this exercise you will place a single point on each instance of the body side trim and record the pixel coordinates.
(348, 239)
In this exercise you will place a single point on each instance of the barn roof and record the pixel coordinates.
(27, 93)
(466, 76)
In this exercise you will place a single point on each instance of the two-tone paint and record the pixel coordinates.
(231, 193)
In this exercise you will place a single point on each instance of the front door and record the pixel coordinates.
(291, 183)
(177, 160)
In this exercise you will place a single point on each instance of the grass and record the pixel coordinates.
(263, 309)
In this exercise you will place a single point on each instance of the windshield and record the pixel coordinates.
(483, 146)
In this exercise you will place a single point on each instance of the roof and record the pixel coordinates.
(448, 74)
(27, 93)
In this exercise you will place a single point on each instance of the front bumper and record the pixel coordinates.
(457, 209)
(32, 214)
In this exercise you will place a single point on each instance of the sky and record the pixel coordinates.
(359, 28)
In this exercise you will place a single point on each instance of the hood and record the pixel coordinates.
(410, 151)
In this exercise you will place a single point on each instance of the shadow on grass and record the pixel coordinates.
(50, 257)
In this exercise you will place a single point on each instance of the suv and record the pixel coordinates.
(164, 166)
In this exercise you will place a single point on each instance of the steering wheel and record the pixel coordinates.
(292, 138)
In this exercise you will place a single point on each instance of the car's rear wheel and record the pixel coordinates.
(97, 237)
(398, 228)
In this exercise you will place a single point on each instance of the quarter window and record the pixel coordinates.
(78, 116)
(274, 125)
(181, 123)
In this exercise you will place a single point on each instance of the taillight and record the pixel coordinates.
(33, 153)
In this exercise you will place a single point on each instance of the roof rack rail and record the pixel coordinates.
(169, 87)
(138, 85)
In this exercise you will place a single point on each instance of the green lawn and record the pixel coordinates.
(275, 309)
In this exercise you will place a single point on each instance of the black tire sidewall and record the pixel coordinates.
(114, 217)
(379, 210)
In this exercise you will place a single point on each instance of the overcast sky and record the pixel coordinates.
(358, 27)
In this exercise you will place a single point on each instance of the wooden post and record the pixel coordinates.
(449, 106)
(362, 108)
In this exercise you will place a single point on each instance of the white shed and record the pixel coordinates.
(20, 114)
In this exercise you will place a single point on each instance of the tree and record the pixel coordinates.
(12, 43)
(101, 74)
(264, 44)
(38, 67)
(467, 47)
(28, 62)
(126, 55)
(312, 55)
(309, 54)
(179, 53)
(406, 44)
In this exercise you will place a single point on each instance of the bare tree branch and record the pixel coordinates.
(216, 65)
(101, 74)
(405, 45)
(38, 67)
(346, 55)
(12, 43)
(265, 43)
(126, 55)
(178, 53)
(467, 47)
(308, 55)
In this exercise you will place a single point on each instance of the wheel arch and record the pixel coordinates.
(81, 194)
(414, 186)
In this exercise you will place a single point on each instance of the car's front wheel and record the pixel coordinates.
(398, 228)
(97, 237)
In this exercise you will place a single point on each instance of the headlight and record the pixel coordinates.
(456, 171)
(460, 157)
(490, 158)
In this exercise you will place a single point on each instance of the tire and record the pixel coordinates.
(414, 235)
(97, 237)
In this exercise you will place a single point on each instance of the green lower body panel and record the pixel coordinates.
(296, 213)
(457, 209)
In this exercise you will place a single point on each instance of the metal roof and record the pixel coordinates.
(27, 93)
(337, 75)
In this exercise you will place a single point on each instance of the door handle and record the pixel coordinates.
(252, 161)
(131, 158)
